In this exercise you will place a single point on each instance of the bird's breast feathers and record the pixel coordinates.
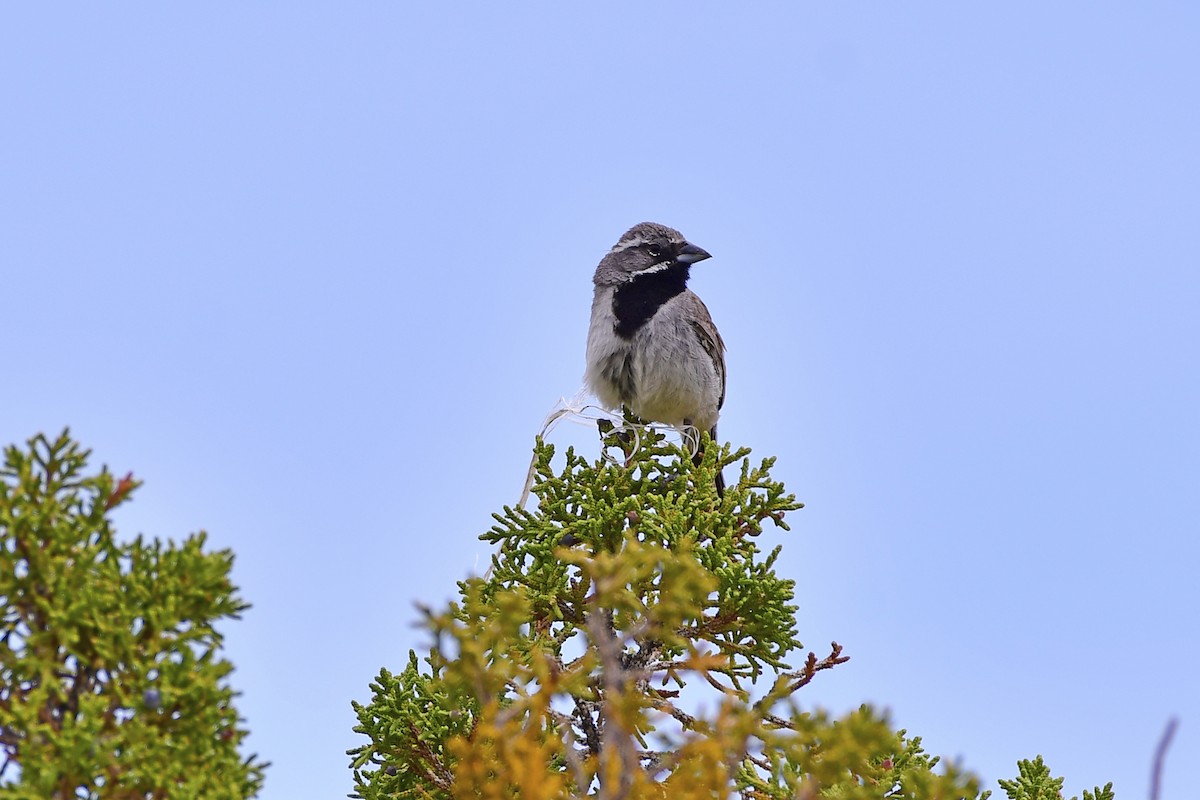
(655, 371)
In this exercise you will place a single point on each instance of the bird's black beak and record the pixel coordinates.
(690, 254)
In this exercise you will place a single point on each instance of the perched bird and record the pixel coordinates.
(652, 345)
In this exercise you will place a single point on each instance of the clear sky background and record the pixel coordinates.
(316, 272)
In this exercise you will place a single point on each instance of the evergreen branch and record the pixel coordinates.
(429, 762)
(635, 560)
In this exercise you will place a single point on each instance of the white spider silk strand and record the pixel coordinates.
(579, 411)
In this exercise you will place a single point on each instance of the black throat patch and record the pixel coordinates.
(637, 301)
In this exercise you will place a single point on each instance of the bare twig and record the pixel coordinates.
(584, 714)
(707, 676)
(574, 764)
(616, 739)
(762, 762)
(647, 652)
(804, 676)
(1160, 754)
(778, 722)
(658, 761)
(686, 720)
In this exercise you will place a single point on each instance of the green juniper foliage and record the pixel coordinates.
(561, 673)
(110, 681)
(1034, 782)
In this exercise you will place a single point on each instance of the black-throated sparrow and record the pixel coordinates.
(652, 345)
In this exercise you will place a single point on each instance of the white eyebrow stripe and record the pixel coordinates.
(636, 241)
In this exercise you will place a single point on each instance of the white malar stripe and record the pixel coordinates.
(659, 267)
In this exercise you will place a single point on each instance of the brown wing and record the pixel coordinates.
(710, 340)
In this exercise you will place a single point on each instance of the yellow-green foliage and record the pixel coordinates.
(1034, 782)
(615, 649)
(110, 684)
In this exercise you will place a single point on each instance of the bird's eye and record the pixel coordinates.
(654, 250)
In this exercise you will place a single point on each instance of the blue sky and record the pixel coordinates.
(316, 272)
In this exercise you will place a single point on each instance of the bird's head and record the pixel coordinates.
(646, 248)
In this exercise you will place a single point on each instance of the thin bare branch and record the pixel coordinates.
(584, 715)
(686, 720)
(804, 676)
(616, 740)
(1160, 755)
(574, 764)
